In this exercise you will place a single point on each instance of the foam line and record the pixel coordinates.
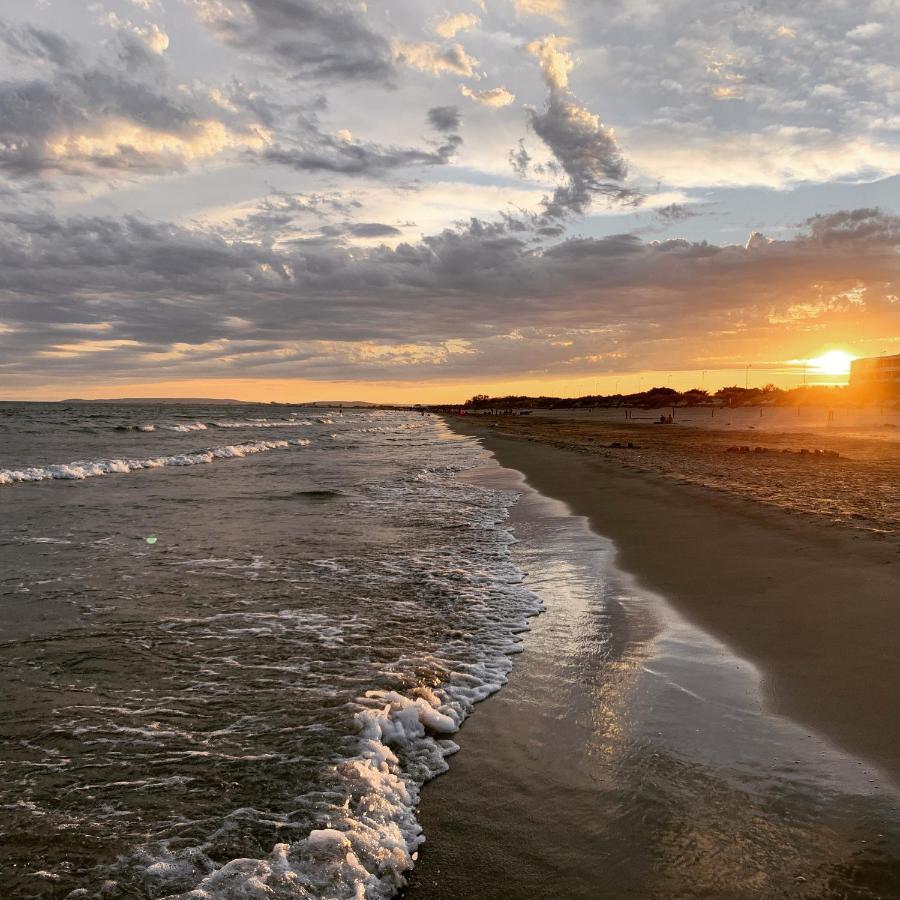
(79, 470)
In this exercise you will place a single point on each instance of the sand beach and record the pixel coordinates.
(738, 737)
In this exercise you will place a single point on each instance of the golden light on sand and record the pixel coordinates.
(834, 362)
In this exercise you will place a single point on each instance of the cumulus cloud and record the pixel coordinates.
(551, 9)
(318, 277)
(436, 59)
(450, 25)
(723, 81)
(248, 308)
(554, 60)
(866, 31)
(585, 149)
(496, 97)
(757, 240)
(320, 39)
(150, 34)
(92, 120)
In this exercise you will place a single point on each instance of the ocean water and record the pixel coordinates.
(235, 642)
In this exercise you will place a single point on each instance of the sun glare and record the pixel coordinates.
(834, 362)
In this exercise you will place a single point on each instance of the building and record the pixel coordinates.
(877, 374)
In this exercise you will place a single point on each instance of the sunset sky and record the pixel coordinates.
(414, 200)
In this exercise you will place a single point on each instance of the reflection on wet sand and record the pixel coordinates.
(629, 756)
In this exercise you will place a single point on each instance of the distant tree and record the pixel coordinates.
(695, 397)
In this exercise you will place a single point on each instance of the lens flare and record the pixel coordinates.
(834, 362)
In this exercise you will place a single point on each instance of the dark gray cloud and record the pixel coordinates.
(584, 148)
(859, 226)
(282, 211)
(319, 39)
(445, 118)
(28, 42)
(160, 285)
(372, 230)
(318, 151)
(676, 212)
(587, 153)
(520, 159)
(360, 230)
(346, 156)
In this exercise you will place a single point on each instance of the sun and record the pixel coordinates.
(834, 362)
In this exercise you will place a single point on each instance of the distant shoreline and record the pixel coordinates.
(197, 401)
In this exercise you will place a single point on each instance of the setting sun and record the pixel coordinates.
(834, 362)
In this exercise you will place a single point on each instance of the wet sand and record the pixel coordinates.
(816, 608)
(631, 754)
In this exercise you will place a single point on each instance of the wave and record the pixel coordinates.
(81, 469)
(260, 423)
(368, 836)
(185, 427)
(370, 842)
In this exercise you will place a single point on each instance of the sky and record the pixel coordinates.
(420, 200)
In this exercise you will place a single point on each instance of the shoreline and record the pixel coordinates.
(629, 755)
(814, 608)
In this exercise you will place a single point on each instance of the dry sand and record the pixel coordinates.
(815, 608)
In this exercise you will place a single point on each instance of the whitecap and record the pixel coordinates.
(79, 470)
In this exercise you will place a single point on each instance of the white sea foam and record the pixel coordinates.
(365, 845)
(81, 469)
(255, 423)
(358, 835)
(186, 426)
(364, 851)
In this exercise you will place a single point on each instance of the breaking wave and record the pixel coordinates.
(80, 469)
(367, 836)
(186, 427)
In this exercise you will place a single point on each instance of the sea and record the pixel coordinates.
(235, 642)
